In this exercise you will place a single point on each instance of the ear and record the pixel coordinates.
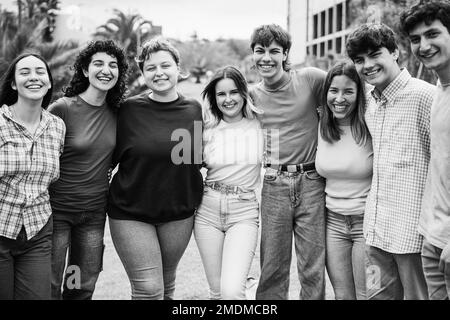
(13, 85)
(285, 55)
(86, 73)
(396, 54)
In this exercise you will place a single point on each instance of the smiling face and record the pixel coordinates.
(269, 61)
(431, 45)
(342, 98)
(161, 73)
(229, 100)
(31, 79)
(103, 71)
(378, 67)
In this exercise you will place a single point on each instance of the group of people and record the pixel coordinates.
(356, 170)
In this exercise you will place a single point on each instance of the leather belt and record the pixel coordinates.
(303, 167)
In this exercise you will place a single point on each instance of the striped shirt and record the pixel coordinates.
(28, 164)
(399, 122)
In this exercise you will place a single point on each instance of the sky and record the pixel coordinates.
(211, 19)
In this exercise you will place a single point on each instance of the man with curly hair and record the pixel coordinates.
(427, 25)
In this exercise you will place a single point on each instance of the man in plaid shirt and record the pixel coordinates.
(397, 115)
(428, 27)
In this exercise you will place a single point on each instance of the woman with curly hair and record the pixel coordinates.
(79, 197)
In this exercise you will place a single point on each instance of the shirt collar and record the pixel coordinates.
(393, 88)
(45, 117)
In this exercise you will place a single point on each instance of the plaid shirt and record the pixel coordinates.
(399, 122)
(28, 164)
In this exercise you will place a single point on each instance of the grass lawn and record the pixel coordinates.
(191, 282)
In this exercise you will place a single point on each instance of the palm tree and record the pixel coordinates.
(129, 31)
(29, 37)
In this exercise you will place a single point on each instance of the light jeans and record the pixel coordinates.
(393, 276)
(293, 204)
(437, 272)
(226, 232)
(150, 254)
(345, 255)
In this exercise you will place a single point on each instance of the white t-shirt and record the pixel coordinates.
(347, 168)
(233, 153)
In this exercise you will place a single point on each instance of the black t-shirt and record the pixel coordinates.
(159, 155)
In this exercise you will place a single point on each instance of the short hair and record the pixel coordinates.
(370, 37)
(209, 94)
(268, 33)
(8, 95)
(155, 45)
(79, 82)
(329, 128)
(427, 12)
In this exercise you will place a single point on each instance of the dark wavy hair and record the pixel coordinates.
(79, 82)
(370, 37)
(329, 128)
(425, 11)
(266, 34)
(209, 93)
(8, 95)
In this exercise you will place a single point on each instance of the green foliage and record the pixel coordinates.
(30, 33)
(129, 31)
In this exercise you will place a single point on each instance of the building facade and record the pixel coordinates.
(319, 30)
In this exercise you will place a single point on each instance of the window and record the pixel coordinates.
(315, 25)
(330, 45)
(322, 49)
(330, 20)
(339, 45)
(323, 21)
(315, 50)
(339, 13)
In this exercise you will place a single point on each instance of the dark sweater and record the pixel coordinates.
(149, 186)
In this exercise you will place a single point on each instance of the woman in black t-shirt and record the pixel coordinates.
(158, 185)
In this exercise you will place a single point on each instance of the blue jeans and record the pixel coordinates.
(345, 256)
(150, 254)
(292, 204)
(438, 279)
(226, 232)
(80, 237)
(393, 276)
(25, 265)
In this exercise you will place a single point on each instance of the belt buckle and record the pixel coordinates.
(291, 168)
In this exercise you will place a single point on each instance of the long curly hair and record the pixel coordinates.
(79, 82)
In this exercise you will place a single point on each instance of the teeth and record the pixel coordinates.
(229, 106)
(34, 87)
(339, 108)
(371, 73)
(266, 67)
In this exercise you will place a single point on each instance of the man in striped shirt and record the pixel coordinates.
(397, 115)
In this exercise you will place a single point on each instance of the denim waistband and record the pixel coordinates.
(224, 188)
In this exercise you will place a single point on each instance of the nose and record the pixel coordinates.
(158, 70)
(424, 44)
(339, 97)
(368, 64)
(266, 56)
